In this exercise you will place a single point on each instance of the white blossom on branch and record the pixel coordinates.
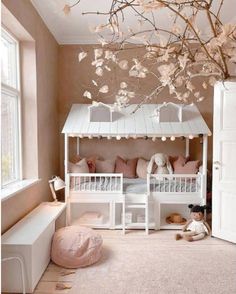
(171, 56)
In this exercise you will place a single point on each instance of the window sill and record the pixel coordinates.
(17, 187)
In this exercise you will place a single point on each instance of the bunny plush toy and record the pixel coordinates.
(162, 162)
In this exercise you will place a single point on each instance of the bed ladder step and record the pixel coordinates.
(139, 204)
(135, 206)
(134, 225)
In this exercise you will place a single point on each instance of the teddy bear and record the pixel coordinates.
(162, 162)
(196, 228)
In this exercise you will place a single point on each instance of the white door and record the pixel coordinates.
(224, 162)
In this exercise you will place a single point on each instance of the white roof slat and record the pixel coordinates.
(93, 129)
(126, 123)
(166, 128)
(104, 129)
(72, 118)
(189, 116)
(140, 124)
(130, 126)
(148, 115)
(186, 128)
(156, 125)
(121, 126)
(114, 128)
(176, 126)
(83, 122)
(197, 122)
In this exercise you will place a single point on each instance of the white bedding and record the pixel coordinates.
(137, 186)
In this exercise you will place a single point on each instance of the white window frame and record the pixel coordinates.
(14, 91)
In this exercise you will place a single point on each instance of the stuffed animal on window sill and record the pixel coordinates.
(196, 228)
(162, 162)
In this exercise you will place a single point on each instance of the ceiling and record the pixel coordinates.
(75, 28)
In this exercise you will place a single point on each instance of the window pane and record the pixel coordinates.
(9, 139)
(8, 60)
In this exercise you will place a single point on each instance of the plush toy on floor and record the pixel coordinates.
(196, 228)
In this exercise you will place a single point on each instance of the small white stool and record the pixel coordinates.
(22, 269)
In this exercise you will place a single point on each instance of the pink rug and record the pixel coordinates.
(157, 264)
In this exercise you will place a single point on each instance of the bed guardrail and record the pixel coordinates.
(174, 183)
(96, 182)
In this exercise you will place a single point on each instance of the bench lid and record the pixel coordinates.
(28, 229)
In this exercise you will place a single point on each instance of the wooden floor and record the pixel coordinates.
(153, 264)
(56, 280)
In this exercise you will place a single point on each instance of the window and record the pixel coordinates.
(10, 110)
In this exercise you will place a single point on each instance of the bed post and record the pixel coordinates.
(186, 147)
(204, 168)
(67, 180)
(66, 155)
(77, 145)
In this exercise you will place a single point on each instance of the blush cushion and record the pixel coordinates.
(91, 161)
(76, 246)
(126, 167)
(141, 169)
(190, 167)
(178, 161)
(182, 165)
(80, 167)
(105, 166)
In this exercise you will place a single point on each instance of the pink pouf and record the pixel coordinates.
(76, 246)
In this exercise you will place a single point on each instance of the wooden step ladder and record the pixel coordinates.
(142, 202)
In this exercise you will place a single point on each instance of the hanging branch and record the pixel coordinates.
(174, 56)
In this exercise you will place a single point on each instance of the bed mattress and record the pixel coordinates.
(139, 186)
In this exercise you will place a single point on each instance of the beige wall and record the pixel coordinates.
(52, 60)
(47, 113)
(74, 77)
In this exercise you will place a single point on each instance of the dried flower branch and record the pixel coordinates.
(175, 55)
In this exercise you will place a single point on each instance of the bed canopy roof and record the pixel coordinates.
(143, 123)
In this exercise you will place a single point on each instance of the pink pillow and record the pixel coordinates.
(178, 161)
(105, 166)
(91, 161)
(141, 169)
(190, 167)
(80, 167)
(126, 167)
(76, 246)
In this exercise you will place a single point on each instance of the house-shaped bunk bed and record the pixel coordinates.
(111, 194)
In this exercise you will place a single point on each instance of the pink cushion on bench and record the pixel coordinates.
(76, 246)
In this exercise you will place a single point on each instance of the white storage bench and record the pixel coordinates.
(30, 240)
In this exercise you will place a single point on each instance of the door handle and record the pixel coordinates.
(216, 164)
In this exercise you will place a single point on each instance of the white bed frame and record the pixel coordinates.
(160, 202)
